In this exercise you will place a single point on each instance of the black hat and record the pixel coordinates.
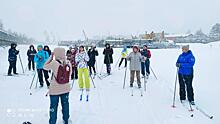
(13, 45)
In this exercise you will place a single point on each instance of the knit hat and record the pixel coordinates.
(135, 47)
(59, 53)
(39, 46)
(185, 46)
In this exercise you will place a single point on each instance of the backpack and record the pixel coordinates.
(63, 73)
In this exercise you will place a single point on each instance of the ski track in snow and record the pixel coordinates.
(109, 103)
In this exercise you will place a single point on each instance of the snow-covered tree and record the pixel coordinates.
(1, 25)
(215, 32)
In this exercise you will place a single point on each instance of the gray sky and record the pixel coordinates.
(67, 18)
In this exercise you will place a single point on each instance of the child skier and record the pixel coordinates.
(31, 53)
(124, 54)
(108, 59)
(185, 64)
(71, 55)
(81, 59)
(12, 58)
(40, 58)
(135, 59)
(145, 65)
(59, 89)
(92, 53)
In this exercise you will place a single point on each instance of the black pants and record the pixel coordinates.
(31, 62)
(90, 69)
(122, 61)
(74, 74)
(185, 82)
(40, 73)
(12, 65)
(145, 67)
(108, 68)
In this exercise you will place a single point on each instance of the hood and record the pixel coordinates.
(59, 53)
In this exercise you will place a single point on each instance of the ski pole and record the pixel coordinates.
(21, 63)
(32, 82)
(153, 72)
(117, 62)
(174, 93)
(36, 82)
(125, 77)
(92, 81)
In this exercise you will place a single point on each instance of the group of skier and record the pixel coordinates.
(79, 64)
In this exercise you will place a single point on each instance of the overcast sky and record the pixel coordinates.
(67, 18)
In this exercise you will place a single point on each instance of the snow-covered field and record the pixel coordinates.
(109, 103)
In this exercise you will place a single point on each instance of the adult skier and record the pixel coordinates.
(71, 55)
(124, 54)
(108, 59)
(92, 53)
(185, 63)
(145, 65)
(12, 58)
(47, 49)
(31, 53)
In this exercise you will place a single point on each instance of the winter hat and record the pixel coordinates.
(145, 46)
(13, 45)
(135, 47)
(185, 47)
(59, 53)
(39, 46)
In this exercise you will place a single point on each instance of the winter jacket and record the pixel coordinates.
(108, 52)
(92, 57)
(186, 61)
(82, 59)
(135, 61)
(31, 54)
(71, 57)
(40, 58)
(146, 53)
(56, 88)
(47, 49)
(124, 53)
(12, 54)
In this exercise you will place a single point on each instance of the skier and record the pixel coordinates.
(145, 65)
(135, 59)
(12, 58)
(47, 49)
(92, 53)
(185, 64)
(82, 58)
(124, 54)
(108, 59)
(71, 54)
(40, 58)
(59, 88)
(31, 53)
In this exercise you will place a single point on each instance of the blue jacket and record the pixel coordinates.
(186, 61)
(40, 58)
(12, 54)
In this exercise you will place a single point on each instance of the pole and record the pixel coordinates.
(125, 77)
(174, 93)
(92, 81)
(32, 82)
(153, 72)
(21, 63)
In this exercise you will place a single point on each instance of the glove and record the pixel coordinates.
(178, 65)
(40, 58)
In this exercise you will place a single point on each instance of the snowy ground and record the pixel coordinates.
(109, 103)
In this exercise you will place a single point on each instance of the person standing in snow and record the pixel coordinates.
(185, 63)
(71, 55)
(92, 53)
(135, 59)
(31, 53)
(47, 49)
(40, 58)
(108, 59)
(82, 59)
(57, 90)
(124, 54)
(12, 58)
(145, 65)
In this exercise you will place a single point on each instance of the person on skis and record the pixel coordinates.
(40, 58)
(12, 59)
(145, 65)
(71, 55)
(82, 59)
(135, 59)
(185, 63)
(59, 89)
(124, 54)
(31, 53)
(92, 53)
(108, 59)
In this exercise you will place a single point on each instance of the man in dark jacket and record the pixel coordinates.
(185, 65)
(31, 53)
(108, 59)
(92, 59)
(145, 65)
(12, 58)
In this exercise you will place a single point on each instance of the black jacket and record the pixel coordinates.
(108, 52)
(31, 54)
(12, 54)
(92, 57)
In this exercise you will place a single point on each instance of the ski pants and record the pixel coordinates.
(31, 62)
(145, 67)
(12, 65)
(185, 82)
(122, 61)
(54, 101)
(40, 73)
(132, 73)
(74, 74)
(108, 68)
(83, 72)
